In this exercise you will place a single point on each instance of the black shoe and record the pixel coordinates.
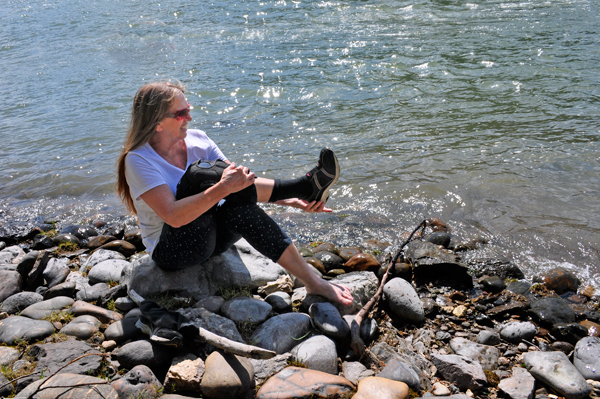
(323, 175)
(160, 335)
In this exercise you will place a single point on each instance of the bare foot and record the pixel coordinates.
(334, 292)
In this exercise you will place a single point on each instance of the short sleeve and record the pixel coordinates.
(141, 175)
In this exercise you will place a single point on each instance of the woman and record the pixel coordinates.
(184, 232)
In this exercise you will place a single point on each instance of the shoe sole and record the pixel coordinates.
(324, 195)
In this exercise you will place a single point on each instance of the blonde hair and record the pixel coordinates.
(150, 105)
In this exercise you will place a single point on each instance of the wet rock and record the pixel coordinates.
(517, 331)
(92, 293)
(139, 382)
(335, 273)
(459, 370)
(440, 238)
(381, 388)
(329, 260)
(10, 283)
(53, 356)
(356, 371)
(492, 283)
(123, 330)
(555, 370)
(317, 264)
(98, 241)
(560, 280)
(244, 309)
(281, 333)
(135, 237)
(520, 386)
(500, 267)
(550, 311)
(441, 267)
(563, 347)
(120, 246)
(200, 317)
(399, 371)
(26, 263)
(62, 289)
(487, 337)
(325, 247)
(593, 328)
(280, 301)
(348, 252)
(295, 382)
(41, 242)
(361, 262)
(403, 300)
(45, 308)
(328, 319)
(107, 271)
(213, 303)
(70, 386)
(571, 332)
(513, 307)
(317, 353)
(586, 358)
(185, 373)
(66, 239)
(485, 355)
(82, 232)
(519, 287)
(20, 301)
(80, 308)
(226, 376)
(82, 327)
(145, 353)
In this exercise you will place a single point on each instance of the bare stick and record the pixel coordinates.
(235, 347)
(357, 344)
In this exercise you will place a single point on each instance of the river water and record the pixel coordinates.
(485, 114)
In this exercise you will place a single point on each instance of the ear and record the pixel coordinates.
(159, 128)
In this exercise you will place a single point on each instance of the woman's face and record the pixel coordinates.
(175, 123)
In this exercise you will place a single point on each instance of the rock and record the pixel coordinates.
(328, 319)
(423, 367)
(501, 267)
(239, 266)
(92, 293)
(432, 264)
(212, 303)
(56, 271)
(348, 252)
(403, 300)
(325, 247)
(560, 280)
(20, 301)
(317, 264)
(65, 386)
(35, 278)
(12, 254)
(593, 328)
(16, 328)
(283, 284)
(356, 371)
(244, 309)
(265, 368)
(368, 328)
(361, 262)
(550, 311)
(8, 355)
(317, 353)
(82, 232)
(120, 246)
(185, 373)
(520, 386)
(41, 242)
(517, 331)
(98, 241)
(53, 356)
(487, 337)
(219, 325)
(125, 304)
(329, 260)
(381, 388)
(82, 327)
(145, 352)
(399, 371)
(226, 376)
(98, 256)
(571, 332)
(60, 290)
(519, 287)
(492, 283)
(555, 370)
(440, 389)
(10, 283)
(122, 330)
(134, 237)
(80, 308)
(485, 355)
(107, 271)
(586, 358)
(280, 301)
(139, 382)
(563, 347)
(81, 281)
(281, 333)
(59, 239)
(45, 308)
(26, 263)
(295, 382)
(459, 370)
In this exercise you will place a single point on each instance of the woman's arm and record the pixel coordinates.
(177, 213)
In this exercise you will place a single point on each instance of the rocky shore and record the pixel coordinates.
(446, 325)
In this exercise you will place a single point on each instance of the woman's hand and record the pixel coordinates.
(236, 178)
(313, 206)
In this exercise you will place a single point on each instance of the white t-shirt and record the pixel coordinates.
(145, 170)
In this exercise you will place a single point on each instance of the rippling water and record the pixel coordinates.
(485, 114)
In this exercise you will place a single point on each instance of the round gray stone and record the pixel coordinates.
(15, 328)
(42, 309)
(146, 353)
(82, 327)
(587, 358)
(107, 271)
(328, 319)
(244, 309)
(517, 331)
(399, 371)
(403, 300)
(317, 353)
(486, 355)
(20, 301)
(280, 301)
(281, 333)
(98, 256)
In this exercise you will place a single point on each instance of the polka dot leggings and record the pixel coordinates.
(217, 230)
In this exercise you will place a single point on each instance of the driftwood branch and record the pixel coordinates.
(357, 344)
(234, 347)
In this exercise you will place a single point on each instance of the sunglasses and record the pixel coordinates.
(181, 114)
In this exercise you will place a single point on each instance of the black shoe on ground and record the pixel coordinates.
(160, 335)
(323, 175)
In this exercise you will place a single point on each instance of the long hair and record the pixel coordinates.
(150, 105)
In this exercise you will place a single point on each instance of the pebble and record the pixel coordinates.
(517, 331)
(487, 337)
(440, 389)
(226, 376)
